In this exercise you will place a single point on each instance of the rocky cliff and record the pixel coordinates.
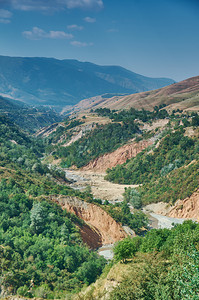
(187, 208)
(100, 228)
(117, 157)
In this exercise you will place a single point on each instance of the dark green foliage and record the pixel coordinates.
(132, 114)
(132, 196)
(195, 119)
(137, 221)
(40, 244)
(126, 248)
(168, 268)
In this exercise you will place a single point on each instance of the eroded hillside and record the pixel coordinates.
(100, 228)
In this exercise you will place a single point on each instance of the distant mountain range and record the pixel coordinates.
(60, 83)
(181, 95)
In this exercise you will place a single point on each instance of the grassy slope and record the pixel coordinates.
(182, 95)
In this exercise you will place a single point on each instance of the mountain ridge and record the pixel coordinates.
(180, 95)
(58, 83)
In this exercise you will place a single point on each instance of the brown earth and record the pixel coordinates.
(187, 208)
(117, 157)
(101, 188)
(183, 95)
(100, 229)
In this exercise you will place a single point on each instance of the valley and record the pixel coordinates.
(105, 190)
(99, 150)
(96, 186)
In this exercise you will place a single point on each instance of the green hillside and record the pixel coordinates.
(105, 138)
(166, 171)
(162, 265)
(27, 117)
(41, 250)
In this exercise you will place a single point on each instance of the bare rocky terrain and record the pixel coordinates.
(161, 215)
(99, 229)
(100, 187)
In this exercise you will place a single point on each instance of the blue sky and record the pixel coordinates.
(157, 38)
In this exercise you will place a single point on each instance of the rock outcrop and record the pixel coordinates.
(100, 228)
(187, 208)
(117, 157)
(183, 209)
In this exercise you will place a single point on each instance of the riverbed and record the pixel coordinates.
(112, 192)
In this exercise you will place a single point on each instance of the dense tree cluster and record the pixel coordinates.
(161, 265)
(41, 252)
(132, 114)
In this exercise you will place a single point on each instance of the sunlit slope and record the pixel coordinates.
(182, 95)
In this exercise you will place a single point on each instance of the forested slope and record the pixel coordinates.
(104, 138)
(162, 265)
(168, 170)
(41, 250)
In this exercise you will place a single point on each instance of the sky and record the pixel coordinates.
(155, 38)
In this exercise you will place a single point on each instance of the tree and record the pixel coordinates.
(133, 196)
(126, 248)
(37, 217)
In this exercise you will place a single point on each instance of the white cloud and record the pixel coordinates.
(59, 35)
(90, 20)
(53, 5)
(37, 34)
(5, 21)
(80, 44)
(5, 16)
(112, 30)
(75, 27)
